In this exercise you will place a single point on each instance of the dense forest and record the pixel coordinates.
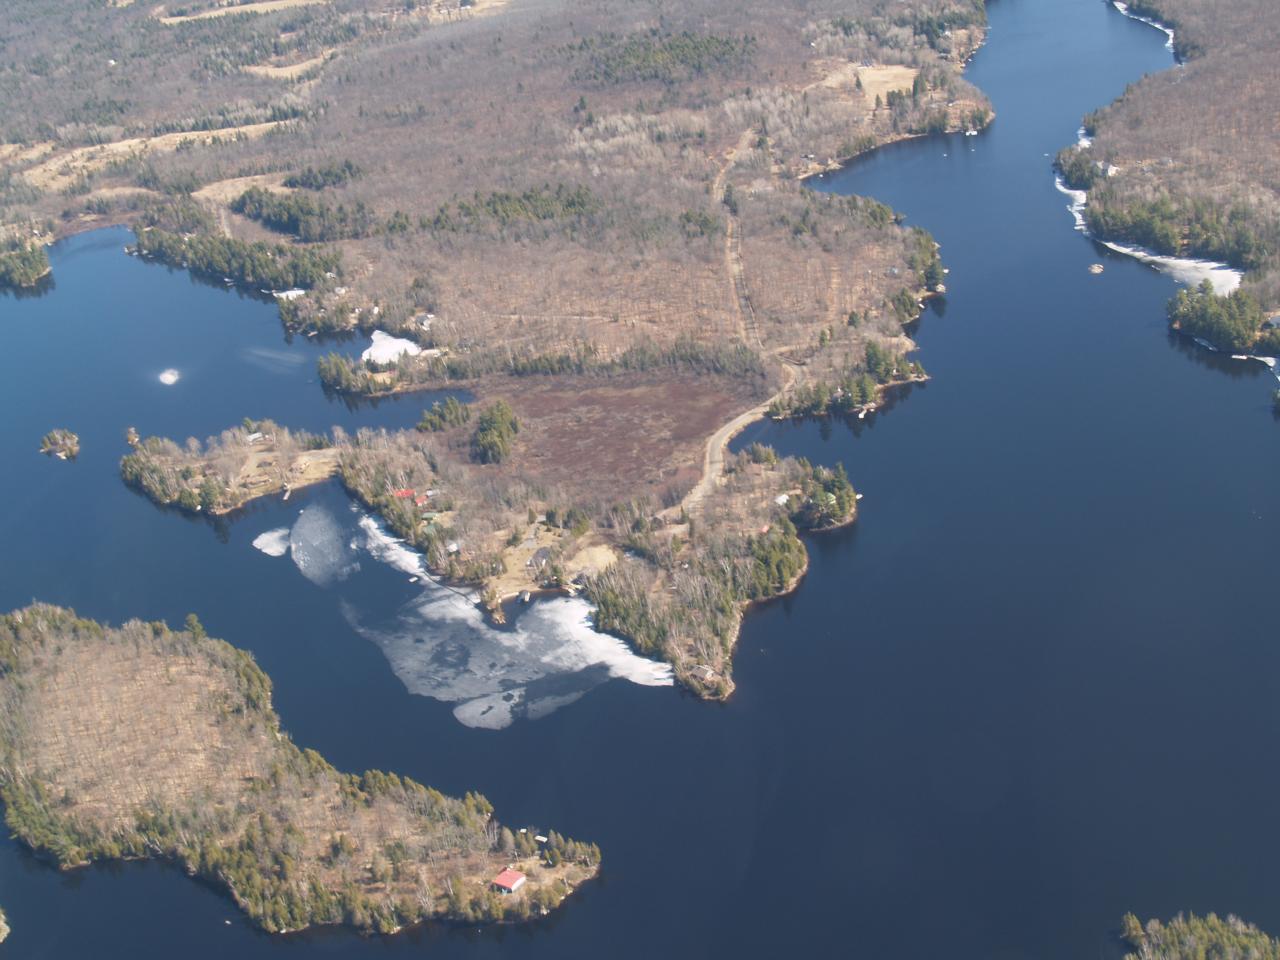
(22, 264)
(1233, 322)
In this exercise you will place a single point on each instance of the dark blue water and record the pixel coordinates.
(1033, 688)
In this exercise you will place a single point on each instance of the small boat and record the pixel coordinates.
(526, 597)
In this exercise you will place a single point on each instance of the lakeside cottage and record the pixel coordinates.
(509, 881)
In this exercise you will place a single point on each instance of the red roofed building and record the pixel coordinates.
(509, 881)
(404, 494)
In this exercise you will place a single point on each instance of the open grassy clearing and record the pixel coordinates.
(261, 6)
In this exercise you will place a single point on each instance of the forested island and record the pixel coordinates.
(1188, 937)
(140, 741)
(1185, 164)
(60, 443)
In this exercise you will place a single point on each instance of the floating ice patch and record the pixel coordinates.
(319, 548)
(170, 377)
(274, 543)
(388, 349)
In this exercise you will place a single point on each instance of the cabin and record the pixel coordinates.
(404, 494)
(509, 881)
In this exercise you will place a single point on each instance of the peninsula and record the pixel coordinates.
(142, 741)
(615, 255)
(242, 464)
(679, 596)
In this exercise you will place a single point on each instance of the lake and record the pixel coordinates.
(1034, 687)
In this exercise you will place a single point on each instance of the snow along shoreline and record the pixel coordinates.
(1225, 278)
(1167, 31)
(1191, 271)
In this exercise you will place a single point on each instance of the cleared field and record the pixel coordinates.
(877, 80)
(290, 71)
(59, 171)
(641, 439)
(222, 192)
(263, 6)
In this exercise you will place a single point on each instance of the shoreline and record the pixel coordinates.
(1225, 278)
(1168, 31)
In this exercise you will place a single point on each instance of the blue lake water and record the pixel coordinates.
(1034, 687)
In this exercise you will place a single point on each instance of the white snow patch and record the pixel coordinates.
(169, 377)
(1124, 8)
(274, 543)
(386, 548)
(1079, 199)
(388, 349)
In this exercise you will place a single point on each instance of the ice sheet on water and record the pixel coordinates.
(319, 548)
(440, 643)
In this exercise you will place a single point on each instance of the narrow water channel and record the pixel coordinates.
(1033, 688)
